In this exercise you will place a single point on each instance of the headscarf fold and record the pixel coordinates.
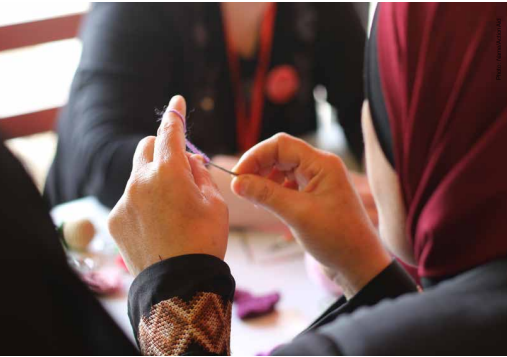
(445, 104)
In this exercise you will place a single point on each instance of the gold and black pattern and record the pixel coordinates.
(173, 324)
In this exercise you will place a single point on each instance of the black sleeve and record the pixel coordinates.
(125, 74)
(340, 57)
(45, 308)
(391, 283)
(183, 305)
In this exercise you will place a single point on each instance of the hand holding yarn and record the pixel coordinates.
(170, 206)
(312, 192)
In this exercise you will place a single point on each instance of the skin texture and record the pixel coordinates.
(386, 190)
(171, 206)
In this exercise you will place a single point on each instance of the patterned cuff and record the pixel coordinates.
(183, 305)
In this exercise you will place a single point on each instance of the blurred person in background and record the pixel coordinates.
(247, 70)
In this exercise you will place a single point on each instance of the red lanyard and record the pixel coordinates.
(248, 125)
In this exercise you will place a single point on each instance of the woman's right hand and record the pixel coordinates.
(312, 192)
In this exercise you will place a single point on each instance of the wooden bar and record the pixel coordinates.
(28, 124)
(37, 32)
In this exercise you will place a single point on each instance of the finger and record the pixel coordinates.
(144, 153)
(277, 176)
(293, 185)
(202, 176)
(170, 143)
(282, 151)
(268, 194)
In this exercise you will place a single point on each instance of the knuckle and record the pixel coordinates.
(283, 141)
(283, 137)
(265, 193)
(135, 187)
(142, 148)
(164, 168)
(333, 161)
(113, 223)
(146, 141)
(169, 127)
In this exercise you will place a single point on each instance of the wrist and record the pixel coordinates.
(361, 268)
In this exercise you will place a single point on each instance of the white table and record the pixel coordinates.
(302, 300)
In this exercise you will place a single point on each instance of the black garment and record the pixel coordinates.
(45, 308)
(465, 315)
(375, 95)
(186, 276)
(136, 56)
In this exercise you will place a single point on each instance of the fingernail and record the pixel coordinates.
(199, 158)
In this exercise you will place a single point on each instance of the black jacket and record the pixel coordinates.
(136, 56)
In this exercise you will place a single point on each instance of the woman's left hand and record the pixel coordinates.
(171, 206)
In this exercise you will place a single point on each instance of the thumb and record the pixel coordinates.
(268, 194)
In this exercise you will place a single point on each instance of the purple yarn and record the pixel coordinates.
(241, 295)
(189, 145)
(195, 150)
(255, 306)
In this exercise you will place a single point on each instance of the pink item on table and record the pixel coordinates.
(316, 274)
(241, 295)
(249, 306)
(121, 263)
(103, 282)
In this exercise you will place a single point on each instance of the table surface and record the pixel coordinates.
(256, 266)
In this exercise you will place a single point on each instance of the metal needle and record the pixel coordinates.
(221, 168)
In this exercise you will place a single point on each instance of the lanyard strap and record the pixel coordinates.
(248, 125)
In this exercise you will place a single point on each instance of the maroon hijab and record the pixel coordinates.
(446, 102)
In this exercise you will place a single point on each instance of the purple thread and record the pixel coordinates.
(189, 145)
(256, 306)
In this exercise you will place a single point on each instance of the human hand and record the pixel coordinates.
(170, 206)
(243, 214)
(312, 192)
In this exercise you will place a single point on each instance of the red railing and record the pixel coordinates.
(29, 34)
